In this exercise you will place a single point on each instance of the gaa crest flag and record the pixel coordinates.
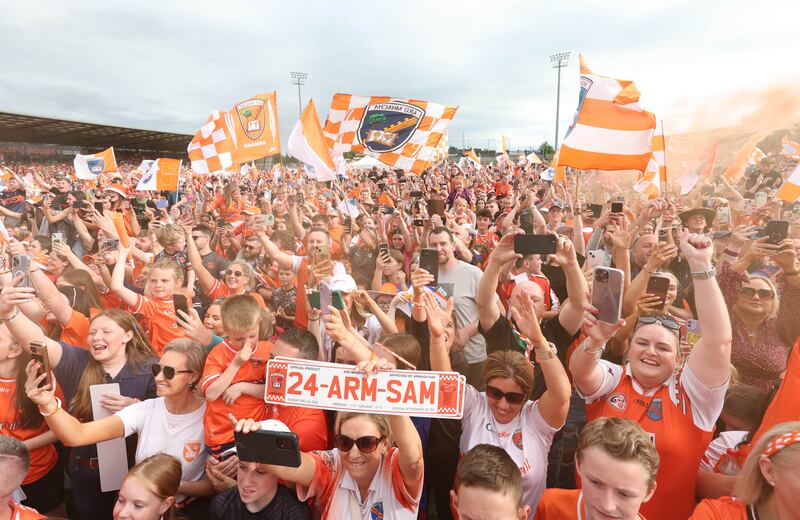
(253, 126)
(402, 133)
(89, 167)
(162, 176)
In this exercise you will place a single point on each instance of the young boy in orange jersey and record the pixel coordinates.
(235, 371)
(156, 306)
(617, 463)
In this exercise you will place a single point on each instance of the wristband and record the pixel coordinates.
(704, 275)
(733, 254)
(648, 271)
(5, 272)
(57, 408)
(596, 353)
(16, 311)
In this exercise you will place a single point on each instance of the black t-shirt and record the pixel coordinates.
(501, 337)
(558, 279)
(284, 506)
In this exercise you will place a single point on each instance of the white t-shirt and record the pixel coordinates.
(526, 439)
(718, 457)
(162, 432)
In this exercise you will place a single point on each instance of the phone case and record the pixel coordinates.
(429, 260)
(607, 293)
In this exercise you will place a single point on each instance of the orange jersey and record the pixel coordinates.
(76, 331)
(562, 504)
(725, 508)
(42, 459)
(679, 417)
(162, 325)
(217, 425)
(20, 512)
(110, 300)
(220, 290)
(309, 424)
(301, 310)
(232, 212)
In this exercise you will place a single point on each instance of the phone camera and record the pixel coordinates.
(601, 276)
(283, 444)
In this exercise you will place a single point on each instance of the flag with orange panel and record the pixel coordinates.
(790, 190)
(402, 133)
(161, 176)
(89, 167)
(212, 148)
(655, 175)
(355, 193)
(253, 127)
(610, 130)
(307, 144)
(790, 149)
(385, 200)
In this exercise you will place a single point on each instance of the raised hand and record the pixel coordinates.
(696, 249)
(525, 317)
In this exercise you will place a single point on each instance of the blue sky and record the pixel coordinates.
(166, 65)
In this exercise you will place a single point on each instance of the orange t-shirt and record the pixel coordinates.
(76, 331)
(725, 508)
(20, 512)
(217, 426)
(301, 310)
(309, 424)
(220, 290)
(562, 504)
(42, 459)
(230, 213)
(110, 300)
(162, 325)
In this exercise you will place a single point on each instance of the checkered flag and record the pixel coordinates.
(211, 149)
(402, 133)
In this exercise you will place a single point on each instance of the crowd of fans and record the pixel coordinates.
(683, 408)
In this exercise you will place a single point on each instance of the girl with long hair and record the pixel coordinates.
(149, 489)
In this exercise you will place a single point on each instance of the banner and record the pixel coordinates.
(162, 176)
(330, 386)
(212, 148)
(307, 144)
(89, 167)
(402, 133)
(253, 126)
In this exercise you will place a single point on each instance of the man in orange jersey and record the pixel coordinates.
(488, 486)
(617, 464)
(14, 462)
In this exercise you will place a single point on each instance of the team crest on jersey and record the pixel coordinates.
(191, 450)
(376, 511)
(517, 439)
(385, 127)
(252, 117)
(618, 401)
(656, 411)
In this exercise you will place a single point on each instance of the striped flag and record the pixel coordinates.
(559, 173)
(402, 133)
(610, 130)
(442, 150)
(471, 157)
(307, 144)
(212, 148)
(655, 175)
(703, 168)
(790, 190)
(162, 176)
(89, 167)
(790, 149)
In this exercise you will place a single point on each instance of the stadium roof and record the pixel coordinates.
(18, 128)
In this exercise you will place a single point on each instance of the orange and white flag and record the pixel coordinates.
(89, 167)
(790, 190)
(212, 148)
(253, 127)
(402, 133)
(385, 200)
(790, 149)
(162, 176)
(307, 144)
(655, 175)
(756, 157)
(610, 130)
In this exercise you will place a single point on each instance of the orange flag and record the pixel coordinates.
(253, 124)
(386, 200)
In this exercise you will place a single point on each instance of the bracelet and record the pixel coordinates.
(5, 272)
(596, 353)
(732, 254)
(648, 271)
(16, 311)
(705, 275)
(57, 408)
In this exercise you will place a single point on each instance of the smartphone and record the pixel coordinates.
(321, 254)
(429, 260)
(617, 207)
(314, 299)
(436, 206)
(760, 199)
(267, 195)
(57, 238)
(777, 231)
(596, 258)
(658, 286)
(337, 300)
(540, 244)
(78, 204)
(418, 222)
(268, 447)
(594, 210)
(39, 353)
(21, 264)
(526, 222)
(98, 206)
(181, 303)
(749, 206)
(348, 225)
(663, 234)
(387, 210)
(383, 248)
(607, 293)
(416, 194)
(110, 244)
(269, 219)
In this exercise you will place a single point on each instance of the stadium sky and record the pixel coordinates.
(166, 65)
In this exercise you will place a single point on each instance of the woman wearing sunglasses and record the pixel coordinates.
(238, 278)
(678, 409)
(764, 324)
(374, 471)
(172, 423)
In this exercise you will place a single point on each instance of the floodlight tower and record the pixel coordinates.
(299, 79)
(559, 61)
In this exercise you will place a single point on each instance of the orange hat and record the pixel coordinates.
(252, 210)
(120, 189)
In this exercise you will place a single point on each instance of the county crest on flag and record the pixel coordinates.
(253, 127)
(402, 133)
(88, 167)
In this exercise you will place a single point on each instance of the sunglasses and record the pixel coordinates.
(496, 394)
(169, 372)
(763, 294)
(366, 444)
(231, 272)
(661, 320)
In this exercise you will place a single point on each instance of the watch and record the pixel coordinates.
(705, 275)
(550, 353)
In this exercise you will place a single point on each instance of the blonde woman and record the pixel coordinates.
(149, 489)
